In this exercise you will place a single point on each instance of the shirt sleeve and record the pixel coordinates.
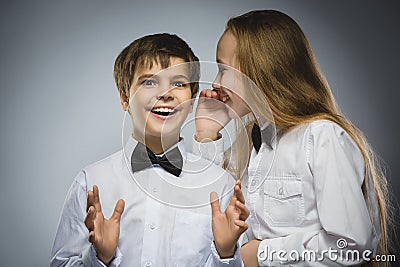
(71, 246)
(214, 259)
(212, 151)
(337, 166)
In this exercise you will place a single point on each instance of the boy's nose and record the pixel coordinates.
(165, 92)
(166, 96)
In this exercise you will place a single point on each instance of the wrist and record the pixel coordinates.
(225, 253)
(206, 136)
(105, 260)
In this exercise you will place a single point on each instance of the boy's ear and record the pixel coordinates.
(124, 100)
(192, 102)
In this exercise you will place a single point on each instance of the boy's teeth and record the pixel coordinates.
(163, 110)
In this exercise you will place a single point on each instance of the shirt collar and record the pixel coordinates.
(270, 128)
(132, 142)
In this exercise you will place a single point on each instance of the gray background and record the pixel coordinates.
(60, 109)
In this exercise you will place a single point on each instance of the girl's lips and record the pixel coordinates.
(225, 98)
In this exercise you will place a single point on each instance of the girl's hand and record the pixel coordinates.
(229, 225)
(211, 115)
(103, 233)
(249, 253)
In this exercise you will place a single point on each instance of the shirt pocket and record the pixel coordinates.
(191, 239)
(283, 201)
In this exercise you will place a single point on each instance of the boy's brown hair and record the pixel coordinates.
(149, 49)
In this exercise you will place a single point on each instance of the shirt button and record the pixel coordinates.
(253, 182)
(152, 226)
(280, 191)
(148, 263)
(154, 189)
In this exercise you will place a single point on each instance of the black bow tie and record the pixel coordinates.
(143, 157)
(258, 136)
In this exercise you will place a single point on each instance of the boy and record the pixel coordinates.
(153, 230)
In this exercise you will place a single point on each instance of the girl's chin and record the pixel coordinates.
(236, 114)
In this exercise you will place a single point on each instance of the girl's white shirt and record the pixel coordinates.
(305, 197)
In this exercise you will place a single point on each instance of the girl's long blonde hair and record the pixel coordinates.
(274, 53)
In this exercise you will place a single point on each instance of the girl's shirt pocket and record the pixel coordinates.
(283, 200)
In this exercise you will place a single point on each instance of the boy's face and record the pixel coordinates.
(160, 100)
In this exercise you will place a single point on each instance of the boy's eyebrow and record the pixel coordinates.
(180, 76)
(155, 76)
(146, 76)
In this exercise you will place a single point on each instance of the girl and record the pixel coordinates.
(316, 186)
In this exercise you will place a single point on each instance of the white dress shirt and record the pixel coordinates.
(154, 230)
(305, 194)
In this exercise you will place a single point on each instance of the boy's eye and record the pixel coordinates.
(178, 84)
(149, 83)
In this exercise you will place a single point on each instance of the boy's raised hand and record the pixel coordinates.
(211, 115)
(103, 233)
(229, 225)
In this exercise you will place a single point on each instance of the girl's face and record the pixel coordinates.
(229, 80)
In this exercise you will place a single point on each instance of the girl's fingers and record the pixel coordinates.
(214, 94)
(209, 93)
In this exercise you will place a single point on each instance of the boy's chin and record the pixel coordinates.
(164, 132)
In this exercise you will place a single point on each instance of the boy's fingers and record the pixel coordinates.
(92, 237)
(239, 194)
(243, 225)
(244, 211)
(239, 183)
(89, 219)
(232, 201)
(96, 194)
(90, 200)
(214, 201)
(118, 210)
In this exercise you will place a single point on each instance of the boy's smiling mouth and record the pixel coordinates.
(163, 112)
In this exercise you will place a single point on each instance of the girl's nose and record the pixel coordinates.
(217, 82)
